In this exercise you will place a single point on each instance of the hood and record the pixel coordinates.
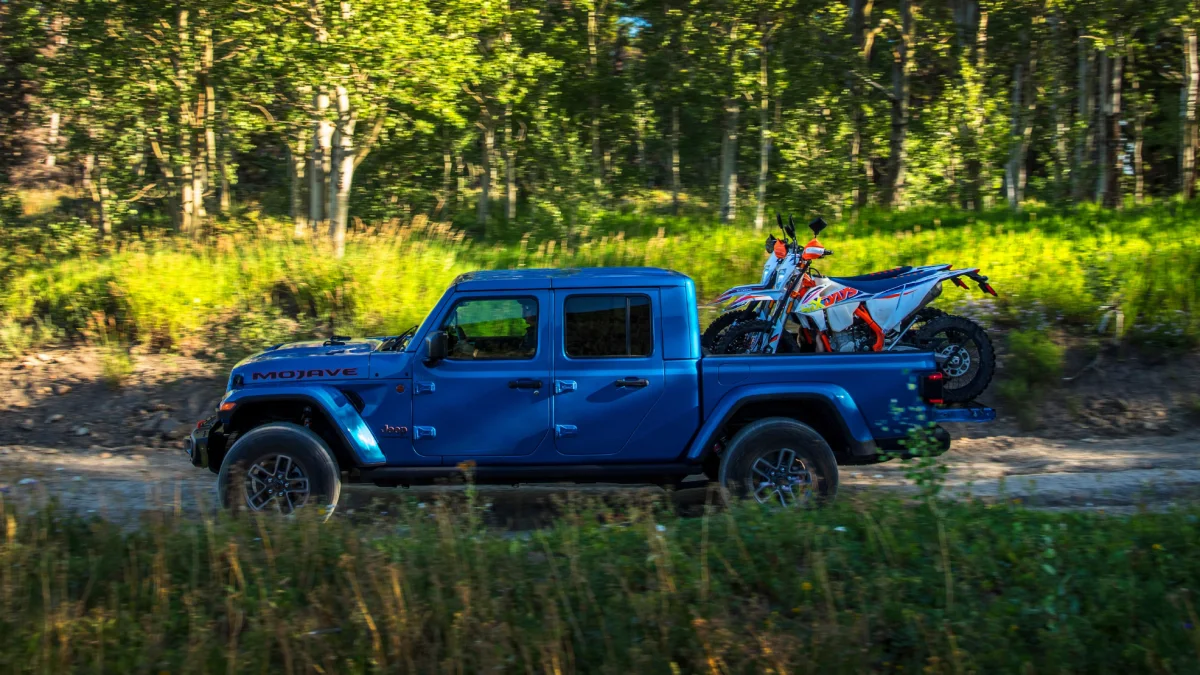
(309, 361)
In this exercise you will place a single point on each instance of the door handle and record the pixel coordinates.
(524, 383)
(633, 382)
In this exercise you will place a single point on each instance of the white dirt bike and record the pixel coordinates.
(872, 312)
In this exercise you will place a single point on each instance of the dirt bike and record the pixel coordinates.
(748, 299)
(871, 312)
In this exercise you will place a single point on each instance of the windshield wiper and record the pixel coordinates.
(398, 343)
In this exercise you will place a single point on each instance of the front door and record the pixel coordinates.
(608, 368)
(491, 395)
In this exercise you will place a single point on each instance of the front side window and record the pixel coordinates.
(492, 328)
(607, 326)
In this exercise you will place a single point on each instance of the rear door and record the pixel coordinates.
(491, 395)
(608, 367)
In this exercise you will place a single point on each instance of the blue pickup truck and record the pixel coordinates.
(573, 375)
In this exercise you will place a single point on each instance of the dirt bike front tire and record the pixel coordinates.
(712, 335)
(739, 337)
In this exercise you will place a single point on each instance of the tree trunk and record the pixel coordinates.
(858, 189)
(1014, 139)
(225, 196)
(594, 99)
(976, 162)
(296, 161)
(319, 167)
(485, 165)
(764, 122)
(729, 176)
(52, 139)
(1083, 117)
(1139, 128)
(1058, 114)
(640, 138)
(674, 160)
(903, 65)
(343, 174)
(1189, 130)
(1105, 102)
(510, 176)
(1116, 149)
(88, 183)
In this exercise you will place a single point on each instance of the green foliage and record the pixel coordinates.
(871, 586)
(1034, 358)
(1032, 365)
(258, 286)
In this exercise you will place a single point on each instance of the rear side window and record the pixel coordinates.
(607, 326)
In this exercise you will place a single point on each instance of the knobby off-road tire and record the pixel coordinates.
(279, 467)
(779, 461)
(712, 334)
(738, 338)
(960, 338)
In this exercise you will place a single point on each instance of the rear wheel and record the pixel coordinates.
(964, 355)
(712, 334)
(779, 462)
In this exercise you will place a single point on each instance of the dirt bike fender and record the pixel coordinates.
(769, 296)
(737, 291)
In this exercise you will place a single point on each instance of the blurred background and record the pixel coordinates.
(208, 177)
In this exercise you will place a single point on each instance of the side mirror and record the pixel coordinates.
(436, 347)
(817, 225)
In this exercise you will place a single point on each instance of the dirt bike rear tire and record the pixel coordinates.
(972, 332)
(712, 334)
(733, 341)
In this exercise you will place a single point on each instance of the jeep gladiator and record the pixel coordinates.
(574, 375)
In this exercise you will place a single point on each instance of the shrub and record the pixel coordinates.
(864, 586)
(1032, 365)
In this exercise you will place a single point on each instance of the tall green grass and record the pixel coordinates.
(859, 587)
(1060, 267)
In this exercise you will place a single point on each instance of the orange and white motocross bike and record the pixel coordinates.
(870, 313)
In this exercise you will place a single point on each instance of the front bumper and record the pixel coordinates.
(205, 446)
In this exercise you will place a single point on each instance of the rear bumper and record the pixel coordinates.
(975, 413)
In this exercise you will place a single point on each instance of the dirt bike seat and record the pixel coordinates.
(883, 281)
(885, 274)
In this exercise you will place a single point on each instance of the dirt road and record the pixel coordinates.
(115, 448)
(1100, 473)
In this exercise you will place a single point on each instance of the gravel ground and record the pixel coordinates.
(115, 449)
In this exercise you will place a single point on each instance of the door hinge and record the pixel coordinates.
(562, 386)
(424, 432)
(565, 430)
(426, 387)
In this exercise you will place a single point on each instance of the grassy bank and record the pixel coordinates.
(256, 285)
(860, 587)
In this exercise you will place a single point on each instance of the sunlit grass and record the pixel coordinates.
(1062, 268)
(624, 588)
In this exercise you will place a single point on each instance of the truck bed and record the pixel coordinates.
(876, 394)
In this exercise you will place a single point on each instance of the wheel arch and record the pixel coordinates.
(331, 415)
(827, 409)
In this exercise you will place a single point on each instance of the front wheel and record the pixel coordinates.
(279, 467)
(712, 335)
(964, 355)
(754, 337)
(779, 462)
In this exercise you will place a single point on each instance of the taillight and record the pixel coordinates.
(931, 388)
